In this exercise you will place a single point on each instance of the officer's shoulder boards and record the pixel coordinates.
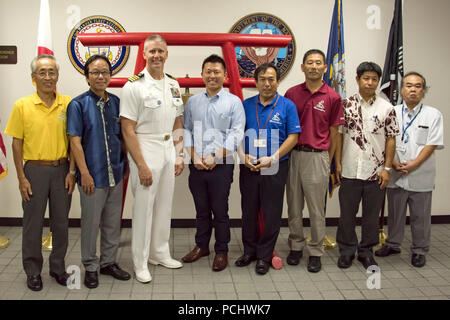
(171, 77)
(135, 77)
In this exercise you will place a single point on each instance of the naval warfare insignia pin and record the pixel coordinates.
(249, 58)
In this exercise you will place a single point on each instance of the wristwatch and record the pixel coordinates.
(388, 169)
(72, 172)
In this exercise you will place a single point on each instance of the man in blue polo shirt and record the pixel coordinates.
(272, 128)
(95, 139)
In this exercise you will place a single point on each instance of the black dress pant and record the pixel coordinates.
(210, 190)
(263, 193)
(351, 193)
(47, 184)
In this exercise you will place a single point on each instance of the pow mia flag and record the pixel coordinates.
(393, 64)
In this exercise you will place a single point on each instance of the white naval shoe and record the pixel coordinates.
(143, 275)
(168, 263)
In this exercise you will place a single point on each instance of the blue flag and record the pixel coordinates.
(335, 75)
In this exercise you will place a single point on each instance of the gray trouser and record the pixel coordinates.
(420, 218)
(100, 210)
(47, 183)
(351, 192)
(307, 180)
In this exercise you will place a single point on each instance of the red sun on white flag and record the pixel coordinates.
(44, 40)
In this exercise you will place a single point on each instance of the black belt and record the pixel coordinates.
(306, 149)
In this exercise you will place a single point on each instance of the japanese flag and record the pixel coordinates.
(44, 40)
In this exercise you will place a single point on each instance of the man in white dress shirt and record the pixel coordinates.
(422, 132)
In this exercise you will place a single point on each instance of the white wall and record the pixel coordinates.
(425, 25)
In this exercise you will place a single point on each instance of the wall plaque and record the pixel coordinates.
(8, 54)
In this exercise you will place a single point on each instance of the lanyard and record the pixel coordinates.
(257, 116)
(409, 124)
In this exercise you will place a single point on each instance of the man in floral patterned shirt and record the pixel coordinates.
(363, 162)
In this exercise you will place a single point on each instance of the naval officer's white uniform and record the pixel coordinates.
(154, 105)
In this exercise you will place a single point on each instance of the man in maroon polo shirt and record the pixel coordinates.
(320, 112)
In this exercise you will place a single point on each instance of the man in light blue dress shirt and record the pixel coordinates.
(214, 121)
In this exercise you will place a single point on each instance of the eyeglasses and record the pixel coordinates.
(41, 74)
(98, 73)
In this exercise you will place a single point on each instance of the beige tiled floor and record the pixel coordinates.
(399, 280)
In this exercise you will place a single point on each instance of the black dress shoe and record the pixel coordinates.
(345, 262)
(418, 260)
(34, 282)
(115, 271)
(314, 264)
(367, 261)
(60, 278)
(294, 257)
(262, 267)
(91, 279)
(244, 260)
(386, 251)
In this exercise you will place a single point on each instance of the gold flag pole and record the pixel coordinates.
(47, 242)
(4, 242)
(186, 95)
(328, 242)
(382, 235)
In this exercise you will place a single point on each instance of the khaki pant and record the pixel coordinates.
(307, 180)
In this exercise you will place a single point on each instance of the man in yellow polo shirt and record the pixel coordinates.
(38, 127)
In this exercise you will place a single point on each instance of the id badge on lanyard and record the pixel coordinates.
(405, 135)
(401, 147)
(260, 143)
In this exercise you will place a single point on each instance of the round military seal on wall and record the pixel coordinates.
(249, 58)
(78, 54)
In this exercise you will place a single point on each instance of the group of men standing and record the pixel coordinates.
(360, 132)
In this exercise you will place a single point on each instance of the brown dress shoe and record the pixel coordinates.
(220, 262)
(195, 254)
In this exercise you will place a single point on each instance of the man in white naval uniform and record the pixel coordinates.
(151, 109)
(412, 183)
